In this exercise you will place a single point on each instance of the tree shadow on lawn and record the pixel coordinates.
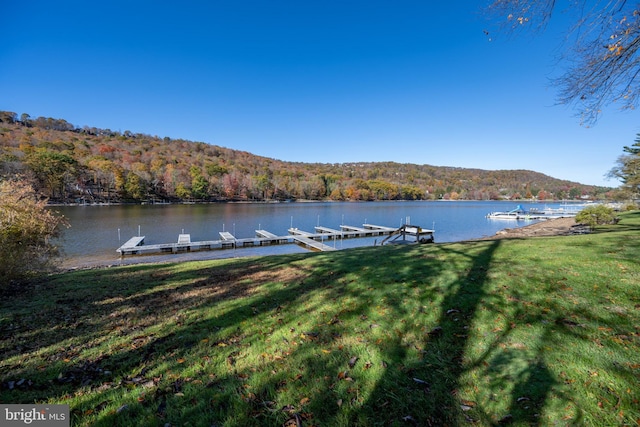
(82, 304)
(443, 359)
(330, 387)
(411, 339)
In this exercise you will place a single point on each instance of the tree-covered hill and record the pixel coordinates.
(90, 165)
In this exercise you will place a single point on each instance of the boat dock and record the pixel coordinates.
(535, 213)
(133, 243)
(409, 234)
(309, 240)
(272, 238)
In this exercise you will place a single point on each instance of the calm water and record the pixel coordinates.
(97, 231)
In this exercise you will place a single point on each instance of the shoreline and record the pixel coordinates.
(548, 228)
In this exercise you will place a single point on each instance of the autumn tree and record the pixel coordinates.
(27, 228)
(199, 184)
(8, 117)
(135, 186)
(104, 175)
(183, 192)
(602, 50)
(52, 169)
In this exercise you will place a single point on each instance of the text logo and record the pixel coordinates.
(34, 415)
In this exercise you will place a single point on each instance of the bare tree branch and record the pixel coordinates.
(603, 53)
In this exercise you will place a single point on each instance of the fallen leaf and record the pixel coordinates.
(293, 421)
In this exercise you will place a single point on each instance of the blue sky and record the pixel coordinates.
(333, 81)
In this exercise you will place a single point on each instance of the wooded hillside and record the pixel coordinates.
(68, 164)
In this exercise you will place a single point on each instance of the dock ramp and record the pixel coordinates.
(312, 244)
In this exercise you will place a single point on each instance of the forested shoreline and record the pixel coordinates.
(69, 164)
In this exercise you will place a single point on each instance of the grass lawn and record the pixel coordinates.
(539, 331)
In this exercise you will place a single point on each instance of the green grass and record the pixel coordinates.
(539, 331)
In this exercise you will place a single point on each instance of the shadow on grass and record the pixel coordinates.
(299, 381)
(360, 337)
(418, 383)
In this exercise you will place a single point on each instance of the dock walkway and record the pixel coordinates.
(312, 244)
(271, 238)
(327, 230)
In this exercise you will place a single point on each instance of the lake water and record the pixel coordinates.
(97, 231)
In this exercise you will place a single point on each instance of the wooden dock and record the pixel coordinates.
(312, 241)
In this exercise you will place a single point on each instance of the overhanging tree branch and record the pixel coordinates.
(603, 49)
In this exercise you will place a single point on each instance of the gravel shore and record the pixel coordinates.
(551, 227)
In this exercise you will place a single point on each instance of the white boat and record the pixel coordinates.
(504, 215)
(517, 213)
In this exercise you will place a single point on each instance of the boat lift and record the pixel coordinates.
(408, 234)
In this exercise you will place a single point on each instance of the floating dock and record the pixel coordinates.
(409, 234)
(536, 213)
(309, 240)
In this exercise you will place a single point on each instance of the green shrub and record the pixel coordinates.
(631, 206)
(596, 215)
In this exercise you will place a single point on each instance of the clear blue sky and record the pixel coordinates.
(309, 81)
